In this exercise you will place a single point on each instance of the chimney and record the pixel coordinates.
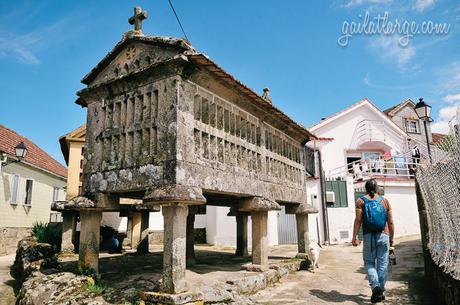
(266, 95)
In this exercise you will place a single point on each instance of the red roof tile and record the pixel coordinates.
(35, 155)
(437, 137)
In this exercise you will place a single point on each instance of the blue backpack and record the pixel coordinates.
(374, 214)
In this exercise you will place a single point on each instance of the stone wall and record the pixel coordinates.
(9, 238)
(446, 287)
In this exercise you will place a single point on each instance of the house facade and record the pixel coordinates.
(27, 188)
(363, 142)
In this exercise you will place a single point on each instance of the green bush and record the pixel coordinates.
(47, 233)
(96, 288)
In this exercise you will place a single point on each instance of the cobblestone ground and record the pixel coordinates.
(6, 281)
(341, 279)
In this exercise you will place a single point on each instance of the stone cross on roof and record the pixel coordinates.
(139, 15)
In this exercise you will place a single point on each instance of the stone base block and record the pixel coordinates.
(254, 267)
(186, 298)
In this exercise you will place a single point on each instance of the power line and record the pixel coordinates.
(178, 20)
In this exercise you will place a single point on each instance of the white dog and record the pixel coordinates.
(315, 251)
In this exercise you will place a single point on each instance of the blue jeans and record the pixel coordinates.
(375, 248)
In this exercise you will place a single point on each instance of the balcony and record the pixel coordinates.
(397, 167)
(377, 133)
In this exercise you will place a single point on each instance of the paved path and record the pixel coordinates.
(341, 279)
(6, 281)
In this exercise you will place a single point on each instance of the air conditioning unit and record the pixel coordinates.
(330, 197)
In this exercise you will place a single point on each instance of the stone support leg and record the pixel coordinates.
(143, 246)
(259, 239)
(241, 235)
(174, 252)
(302, 233)
(136, 230)
(89, 239)
(129, 232)
(191, 260)
(68, 231)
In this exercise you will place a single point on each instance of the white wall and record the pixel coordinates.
(405, 212)
(155, 221)
(17, 214)
(341, 219)
(315, 221)
(220, 228)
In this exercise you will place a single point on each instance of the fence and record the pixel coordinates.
(439, 183)
(439, 192)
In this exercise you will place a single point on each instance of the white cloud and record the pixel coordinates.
(388, 48)
(20, 47)
(449, 78)
(355, 3)
(368, 82)
(25, 47)
(422, 5)
(445, 116)
(452, 98)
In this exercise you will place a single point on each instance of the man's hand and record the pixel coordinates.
(355, 242)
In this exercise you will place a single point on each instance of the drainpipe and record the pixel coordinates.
(322, 182)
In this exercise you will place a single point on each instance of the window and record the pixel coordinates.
(339, 187)
(55, 194)
(28, 198)
(412, 126)
(14, 189)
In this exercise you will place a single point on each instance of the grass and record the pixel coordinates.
(96, 288)
(47, 233)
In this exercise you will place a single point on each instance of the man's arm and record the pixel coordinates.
(391, 225)
(357, 223)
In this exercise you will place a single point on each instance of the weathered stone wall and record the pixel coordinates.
(9, 238)
(446, 287)
(131, 138)
(226, 148)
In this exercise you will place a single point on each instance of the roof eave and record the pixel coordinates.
(203, 60)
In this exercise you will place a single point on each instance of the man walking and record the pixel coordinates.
(374, 212)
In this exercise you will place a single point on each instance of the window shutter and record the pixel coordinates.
(14, 189)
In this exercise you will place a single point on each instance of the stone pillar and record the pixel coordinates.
(241, 235)
(302, 234)
(68, 231)
(90, 222)
(143, 246)
(259, 239)
(191, 260)
(129, 232)
(174, 252)
(136, 230)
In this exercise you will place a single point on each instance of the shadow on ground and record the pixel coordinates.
(335, 296)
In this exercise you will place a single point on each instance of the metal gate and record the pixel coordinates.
(287, 228)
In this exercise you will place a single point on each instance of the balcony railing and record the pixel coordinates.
(394, 167)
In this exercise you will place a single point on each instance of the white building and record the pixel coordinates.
(27, 188)
(362, 142)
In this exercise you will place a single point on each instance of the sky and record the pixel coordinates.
(296, 48)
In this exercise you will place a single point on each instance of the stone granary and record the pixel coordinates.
(168, 126)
